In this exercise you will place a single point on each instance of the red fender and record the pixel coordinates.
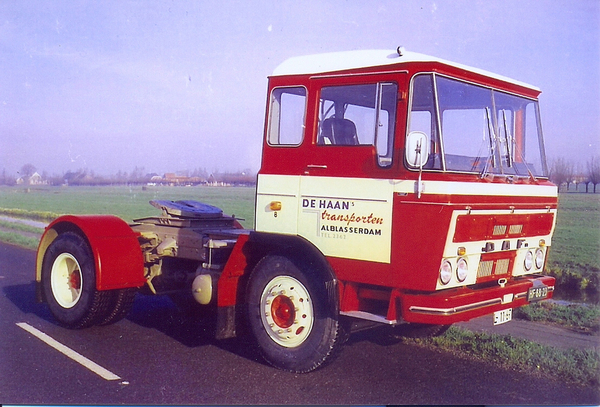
(117, 253)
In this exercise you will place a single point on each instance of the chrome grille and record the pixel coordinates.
(502, 266)
(499, 230)
(515, 229)
(485, 268)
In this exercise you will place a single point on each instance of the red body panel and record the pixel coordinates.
(116, 250)
(484, 227)
(234, 269)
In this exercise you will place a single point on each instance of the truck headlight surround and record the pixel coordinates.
(539, 259)
(528, 262)
(462, 269)
(445, 272)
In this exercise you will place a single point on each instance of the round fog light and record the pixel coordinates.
(528, 263)
(462, 269)
(539, 259)
(445, 272)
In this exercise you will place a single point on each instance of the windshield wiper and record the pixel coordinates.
(509, 141)
(491, 147)
(511, 149)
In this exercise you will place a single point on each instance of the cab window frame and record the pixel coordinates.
(274, 124)
(327, 109)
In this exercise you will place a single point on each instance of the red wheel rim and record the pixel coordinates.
(282, 309)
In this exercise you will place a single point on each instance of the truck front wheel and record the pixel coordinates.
(69, 283)
(291, 317)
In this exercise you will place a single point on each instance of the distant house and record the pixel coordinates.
(35, 179)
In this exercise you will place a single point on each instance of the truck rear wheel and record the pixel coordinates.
(120, 305)
(291, 317)
(69, 283)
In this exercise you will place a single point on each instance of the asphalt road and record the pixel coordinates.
(159, 356)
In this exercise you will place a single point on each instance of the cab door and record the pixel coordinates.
(346, 190)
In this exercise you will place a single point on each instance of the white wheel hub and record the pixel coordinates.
(286, 311)
(66, 280)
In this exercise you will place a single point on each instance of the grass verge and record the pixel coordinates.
(43, 216)
(20, 227)
(571, 365)
(580, 317)
(577, 282)
(18, 239)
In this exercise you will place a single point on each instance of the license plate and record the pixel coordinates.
(500, 317)
(537, 293)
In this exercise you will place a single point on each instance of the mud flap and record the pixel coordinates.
(225, 322)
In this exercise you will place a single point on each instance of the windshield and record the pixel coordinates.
(476, 129)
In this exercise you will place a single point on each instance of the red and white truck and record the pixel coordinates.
(395, 188)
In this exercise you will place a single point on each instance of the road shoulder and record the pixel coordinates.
(538, 332)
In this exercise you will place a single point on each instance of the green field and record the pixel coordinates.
(126, 202)
(576, 239)
(577, 235)
(574, 258)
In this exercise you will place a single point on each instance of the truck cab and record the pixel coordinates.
(423, 182)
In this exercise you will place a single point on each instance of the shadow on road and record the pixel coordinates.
(161, 314)
(192, 328)
(23, 296)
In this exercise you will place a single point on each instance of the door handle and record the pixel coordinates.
(313, 166)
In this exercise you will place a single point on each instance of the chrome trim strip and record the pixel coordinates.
(455, 310)
(368, 316)
(521, 295)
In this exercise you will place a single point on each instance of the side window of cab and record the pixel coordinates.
(287, 115)
(359, 115)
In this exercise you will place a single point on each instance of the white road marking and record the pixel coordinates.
(82, 360)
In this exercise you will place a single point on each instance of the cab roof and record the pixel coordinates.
(348, 60)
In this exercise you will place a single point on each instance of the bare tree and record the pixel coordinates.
(561, 172)
(593, 171)
(27, 170)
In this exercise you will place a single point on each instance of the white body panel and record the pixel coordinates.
(344, 217)
(277, 188)
(348, 217)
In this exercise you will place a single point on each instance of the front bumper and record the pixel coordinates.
(462, 304)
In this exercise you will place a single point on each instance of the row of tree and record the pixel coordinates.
(30, 176)
(564, 172)
(561, 172)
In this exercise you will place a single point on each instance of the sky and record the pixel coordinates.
(178, 85)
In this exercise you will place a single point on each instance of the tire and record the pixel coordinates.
(292, 317)
(120, 305)
(69, 283)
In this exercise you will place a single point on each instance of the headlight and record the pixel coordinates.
(539, 259)
(462, 269)
(445, 272)
(528, 263)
